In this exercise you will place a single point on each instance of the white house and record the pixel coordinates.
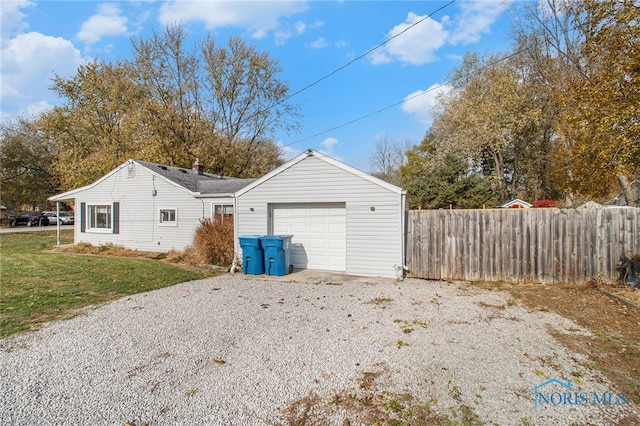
(516, 203)
(340, 218)
(148, 206)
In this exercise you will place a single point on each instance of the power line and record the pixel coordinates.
(404, 100)
(326, 76)
(308, 86)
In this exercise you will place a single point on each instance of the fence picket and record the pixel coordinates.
(521, 245)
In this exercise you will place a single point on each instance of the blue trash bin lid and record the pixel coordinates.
(250, 240)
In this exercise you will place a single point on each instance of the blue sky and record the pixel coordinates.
(309, 39)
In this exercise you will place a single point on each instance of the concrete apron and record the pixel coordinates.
(321, 277)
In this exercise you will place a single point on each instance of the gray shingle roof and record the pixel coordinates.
(205, 183)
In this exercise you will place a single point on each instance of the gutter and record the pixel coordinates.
(226, 194)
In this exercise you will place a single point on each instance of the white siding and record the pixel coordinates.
(139, 211)
(374, 237)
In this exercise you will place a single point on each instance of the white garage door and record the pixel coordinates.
(319, 234)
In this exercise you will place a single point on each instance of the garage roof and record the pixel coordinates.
(311, 153)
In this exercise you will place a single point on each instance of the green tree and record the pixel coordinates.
(25, 167)
(445, 183)
(170, 104)
(97, 128)
(493, 118)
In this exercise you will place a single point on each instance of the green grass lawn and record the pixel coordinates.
(37, 285)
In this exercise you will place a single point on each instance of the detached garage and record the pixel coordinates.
(341, 218)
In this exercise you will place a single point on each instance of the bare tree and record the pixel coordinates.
(387, 159)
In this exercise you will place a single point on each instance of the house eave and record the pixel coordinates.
(220, 195)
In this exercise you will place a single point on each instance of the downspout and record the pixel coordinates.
(401, 268)
(235, 229)
(403, 215)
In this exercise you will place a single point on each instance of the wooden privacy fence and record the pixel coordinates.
(521, 245)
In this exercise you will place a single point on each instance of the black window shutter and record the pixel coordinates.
(116, 218)
(83, 213)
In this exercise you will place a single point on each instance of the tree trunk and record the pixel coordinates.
(499, 168)
(631, 194)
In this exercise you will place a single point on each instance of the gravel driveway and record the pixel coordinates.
(238, 350)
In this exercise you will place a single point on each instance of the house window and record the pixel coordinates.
(168, 217)
(222, 211)
(99, 217)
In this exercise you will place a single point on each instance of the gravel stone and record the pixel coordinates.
(237, 350)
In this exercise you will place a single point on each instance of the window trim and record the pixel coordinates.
(110, 213)
(215, 215)
(174, 222)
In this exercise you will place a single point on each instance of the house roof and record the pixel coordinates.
(311, 153)
(205, 184)
(515, 201)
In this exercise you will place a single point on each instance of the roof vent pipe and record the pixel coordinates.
(198, 167)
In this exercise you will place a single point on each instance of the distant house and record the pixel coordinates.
(150, 207)
(516, 203)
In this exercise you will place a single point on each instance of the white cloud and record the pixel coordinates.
(282, 36)
(327, 145)
(475, 19)
(300, 27)
(419, 44)
(28, 64)
(257, 17)
(421, 103)
(107, 22)
(38, 108)
(416, 46)
(12, 18)
(320, 43)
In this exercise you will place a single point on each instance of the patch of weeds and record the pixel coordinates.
(301, 411)
(400, 343)
(463, 414)
(372, 405)
(489, 305)
(191, 392)
(453, 390)
(368, 378)
(540, 373)
(391, 402)
(379, 301)
(408, 326)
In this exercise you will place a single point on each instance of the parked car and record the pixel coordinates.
(65, 218)
(31, 219)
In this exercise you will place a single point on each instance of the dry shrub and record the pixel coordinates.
(213, 241)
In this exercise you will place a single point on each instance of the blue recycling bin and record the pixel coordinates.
(252, 255)
(277, 254)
